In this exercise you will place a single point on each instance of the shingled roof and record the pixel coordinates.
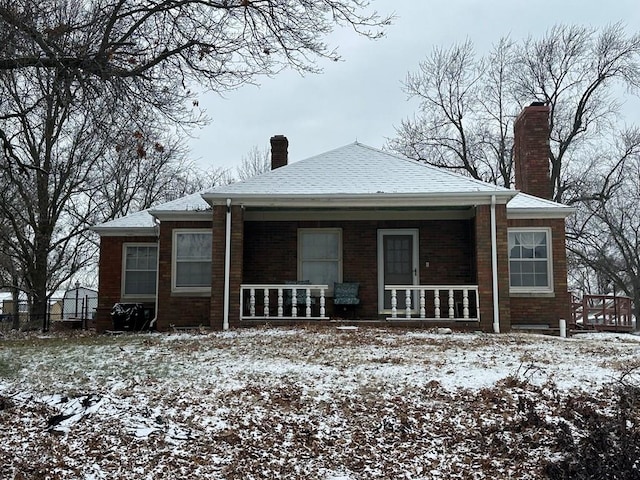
(357, 172)
(352, 175)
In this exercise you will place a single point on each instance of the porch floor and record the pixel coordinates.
(468, 325)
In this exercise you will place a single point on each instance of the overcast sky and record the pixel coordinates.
(361, 98)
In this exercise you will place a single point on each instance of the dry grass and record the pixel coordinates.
(309, 403)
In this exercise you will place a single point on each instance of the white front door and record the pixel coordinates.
(397, 264)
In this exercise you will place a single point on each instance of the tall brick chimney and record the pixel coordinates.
(531, 151)
(279, 155)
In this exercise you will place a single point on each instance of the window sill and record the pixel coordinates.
(532, 294)
(192, 293)
(137, 298)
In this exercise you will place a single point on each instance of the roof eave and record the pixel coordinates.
(125, 231)
(369, 200)
(531, 213)
(178, 215)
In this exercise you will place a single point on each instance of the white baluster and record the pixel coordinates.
(451, 310)
(394, 303)
(423, 310)
(436, 302)
(280, 309)
(465, 303)
(294, 302)
(322, 302)
(266, 302)
(308, 300)
(407, 302)
(252, 302)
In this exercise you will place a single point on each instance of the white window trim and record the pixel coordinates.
(130, 296)
(174, 246)
(549, 288)
(337, 230)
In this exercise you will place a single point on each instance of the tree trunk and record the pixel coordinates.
(39, 288)
(15, 320)
(40, 274)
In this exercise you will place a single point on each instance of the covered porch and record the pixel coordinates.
(422, 244)
(429, 266)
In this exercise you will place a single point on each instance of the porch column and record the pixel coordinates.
(484, 267)
(237, 262)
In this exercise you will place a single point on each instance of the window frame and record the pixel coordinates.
(174, 261)
(339, 260)
(123, 290)
(533, 289)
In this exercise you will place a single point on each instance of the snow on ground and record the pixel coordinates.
(306, 403)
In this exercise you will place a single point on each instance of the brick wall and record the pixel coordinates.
(110, 277)
(482, 223)
(531, 151)
(279, 154)
(177, 308)
(544, 309)
(216, 313)
(270, 253)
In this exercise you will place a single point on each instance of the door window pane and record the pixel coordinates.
(398, 264)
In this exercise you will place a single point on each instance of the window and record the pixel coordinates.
(140, 264)
(320, 255)
(530, 260)
(191, 260)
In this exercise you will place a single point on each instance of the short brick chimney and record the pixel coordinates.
(279, 155)
(531, 151)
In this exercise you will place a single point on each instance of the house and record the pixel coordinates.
(425, 246)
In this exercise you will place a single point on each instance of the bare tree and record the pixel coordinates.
(141, 168)
(575, 70)
(255, 162)
(75, 76)
(222, 44)
(605, 232)
(468, 104)
(464, 113)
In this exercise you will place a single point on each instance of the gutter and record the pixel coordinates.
(227, 268)
(494, 266)
(367, 200)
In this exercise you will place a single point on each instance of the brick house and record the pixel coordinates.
(425, 246)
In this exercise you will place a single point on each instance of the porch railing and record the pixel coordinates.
(434, 302)
(281, 301)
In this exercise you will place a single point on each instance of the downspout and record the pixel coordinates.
(227, 268)
(494, 266)
(155, 307)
